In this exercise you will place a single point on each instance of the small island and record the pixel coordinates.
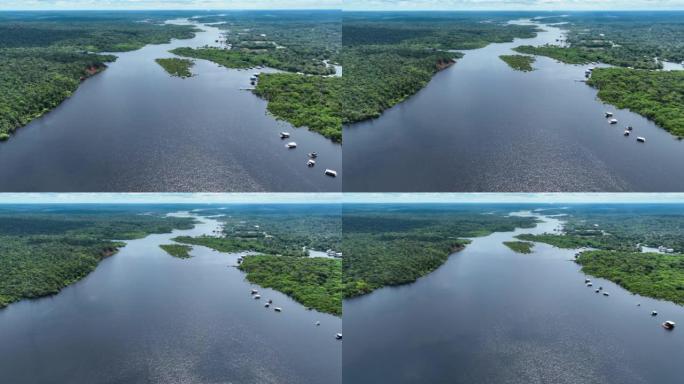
(177, 250)
(519, 62)
(177, 67)
(519, 246)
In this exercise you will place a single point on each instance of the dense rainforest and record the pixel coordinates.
(637, 43)
(305, 44)
(180, 251)
(617, 236)
(45, 55)
(396, 245)
(519, 62)
(281, 241)
(42, 250)
(387, 57)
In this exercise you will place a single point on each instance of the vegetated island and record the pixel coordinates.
(636, 44)
(303, 45)
(616, 240)
(384, 248)
(519, 62)
(177, 67)
(42, 252)
(519, 246)
(180, 251)
(282, 261)
(46, 55)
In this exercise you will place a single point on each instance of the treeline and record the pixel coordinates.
(41, 253)
(383, 248)
(519, 62)
(45, 57)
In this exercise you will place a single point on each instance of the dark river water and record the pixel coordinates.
(489, 315)
(482, 126)
(135, 128)
(145, 317)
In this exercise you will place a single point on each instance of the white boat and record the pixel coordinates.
(291, 145)
(338, 336)
(606, 294)
(613, 121)
(597, 291)
(267, 305)
(257, 297)
(589, 284)
(311, 163)
(641, 139)
(654, 313)
(254, 291)
(609, 114)
(313, 155)
(278, 309)
(669, 324)
(331, 173)
(318, 323)
(587, 280)
(284, 135)
(626, 133)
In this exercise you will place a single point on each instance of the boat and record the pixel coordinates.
(629, 128)
(331, 173)
(606, 294)
(318, 323)
(270, 301)
(284, 135)
(587, 280)
(654, 313)
(626, 133)
(338, 336)
(313, 155)
(641, 139)
(669, 324)
(291, 145)
(613, 121)
(278, 309)
(253, 78)
(311, 163)
(257, 297)
(597, 291)
(254, 291)
(609, 114)
(589, 284)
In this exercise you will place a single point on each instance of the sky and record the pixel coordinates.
(327, 198)
(347, 4)
(167, 4)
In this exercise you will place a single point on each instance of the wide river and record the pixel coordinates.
(135, 128)
(482, 126)
(145, 317)
(490, 315)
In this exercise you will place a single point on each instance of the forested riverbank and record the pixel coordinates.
(616, 240)
(282, 243)
(42, 252)
(389, 57)
(47, 55)
(385, 249)
(637, 44)
(301, 43)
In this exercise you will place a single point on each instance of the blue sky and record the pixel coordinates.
(347, 4)
(266, 198)
(169, 4)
